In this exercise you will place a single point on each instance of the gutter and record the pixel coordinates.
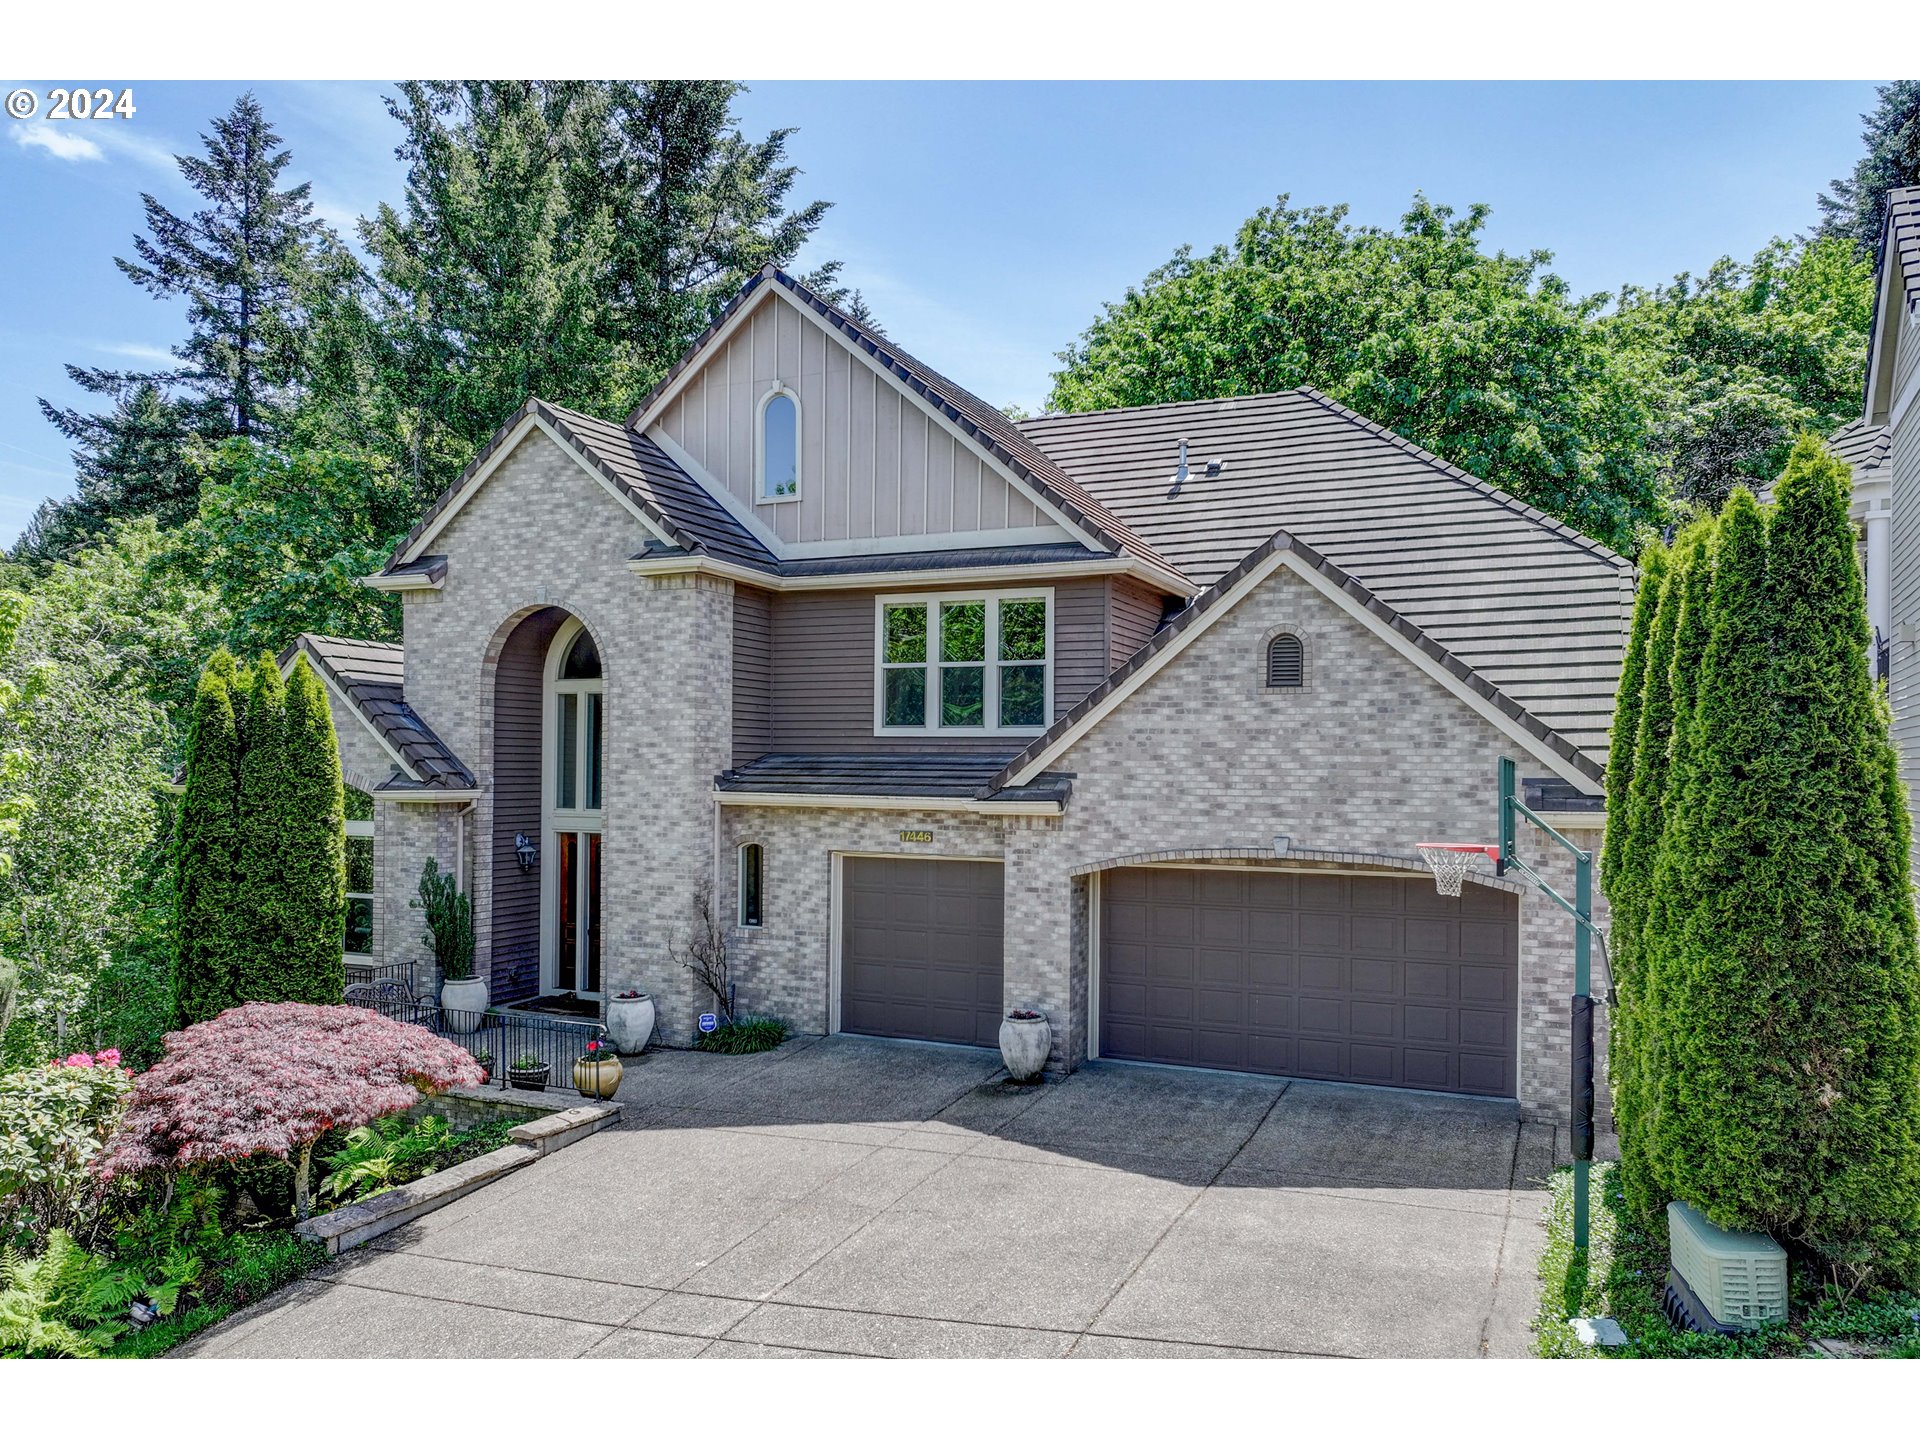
(784, 800)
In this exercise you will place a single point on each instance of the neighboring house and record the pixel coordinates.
(1883, 447)
(1133, 718)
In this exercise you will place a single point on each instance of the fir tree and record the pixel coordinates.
(262, 838)
(1856, 205)
(206, 874)
(313, 877)
(1847, 1040)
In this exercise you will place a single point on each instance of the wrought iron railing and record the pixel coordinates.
(395, 979)
(499, 1039)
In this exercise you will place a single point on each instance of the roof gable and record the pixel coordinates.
(1896, 292)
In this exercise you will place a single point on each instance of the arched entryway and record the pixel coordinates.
(548, 763)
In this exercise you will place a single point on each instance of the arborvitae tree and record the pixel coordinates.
(1629, 699)
(262, 837)
(206, 873)
(1845, 1038)
(1856, 206)
(1689, 591)
(313, 877)
(1724, 1128)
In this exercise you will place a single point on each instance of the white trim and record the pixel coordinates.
(1094, 942)
(1205, 621)
(760, 495)
(773, 288)
(740, 885)
(947, 540)
(396, 584)
(1000, 576)
(1884, 338)
(990, 663)
(533, 421)
(780, 800)
(578, 821)
(426, 797)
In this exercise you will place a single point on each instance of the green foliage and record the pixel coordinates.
(1733, 364)
(1767, 1036)
(395, 1150)
(1487, 360)
(1855, 207)
(1625, 1268)
(266, 925)
(208, 934)
(54, 1119)
(449, 918)
(57, 1304)
(744, 1035)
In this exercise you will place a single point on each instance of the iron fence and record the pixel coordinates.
(499, 1039)
(394, 980)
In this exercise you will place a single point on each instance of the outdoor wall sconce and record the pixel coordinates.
(528, 851)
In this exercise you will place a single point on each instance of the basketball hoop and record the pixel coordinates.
(1451, 864)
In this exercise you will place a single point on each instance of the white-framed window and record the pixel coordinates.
(777, 448)
(570, 858)
(358, 942)
(970, 662)
(753, 879)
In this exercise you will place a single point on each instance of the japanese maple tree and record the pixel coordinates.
(270, 1079)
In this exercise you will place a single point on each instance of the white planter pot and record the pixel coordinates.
(630, 1023)
(463, 1002)
(1025, 1045)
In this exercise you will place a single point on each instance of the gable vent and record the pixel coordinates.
(1286, 663)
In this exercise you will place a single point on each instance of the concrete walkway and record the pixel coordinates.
(849, 1197)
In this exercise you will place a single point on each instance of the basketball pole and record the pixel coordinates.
(1512, 811)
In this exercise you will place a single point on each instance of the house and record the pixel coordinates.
(1133, 718)
(1883, 447)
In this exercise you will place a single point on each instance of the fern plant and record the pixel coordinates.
(58, 1303)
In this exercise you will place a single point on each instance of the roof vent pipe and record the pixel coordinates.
(1180, 471)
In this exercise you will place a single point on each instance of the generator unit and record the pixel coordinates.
(1722, 1280)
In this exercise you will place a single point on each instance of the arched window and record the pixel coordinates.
(779, 447)
(1286, 663)
(752, 877)
(571, 850)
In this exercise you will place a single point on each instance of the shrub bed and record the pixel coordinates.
(747, 1035)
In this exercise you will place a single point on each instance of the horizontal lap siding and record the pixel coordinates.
(823, 662)
(1135, 614)
(752, 674)
(1904, 596)
(519, 680)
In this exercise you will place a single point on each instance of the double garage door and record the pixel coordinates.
(1363, 978)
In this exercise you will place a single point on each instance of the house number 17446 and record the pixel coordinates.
(916, 837)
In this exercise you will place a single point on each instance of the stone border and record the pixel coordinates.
(353, 1225)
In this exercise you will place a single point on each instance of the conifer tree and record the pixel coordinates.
(1855, 206)
(313, 876)
(1848, 1032)
(1724, 1125)
(261, 837)
(206, 873)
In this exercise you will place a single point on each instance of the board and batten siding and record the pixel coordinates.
(513, 967)
(873, 465)
(752, 673)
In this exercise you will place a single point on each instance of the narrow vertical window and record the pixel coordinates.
(779, 448)
(752, 861)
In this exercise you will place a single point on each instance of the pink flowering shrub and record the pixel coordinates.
(271, 1079)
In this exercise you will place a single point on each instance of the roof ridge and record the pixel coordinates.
(1157, 405)
(1547, 522)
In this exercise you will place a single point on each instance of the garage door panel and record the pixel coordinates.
(1361, 978)
(920, 952)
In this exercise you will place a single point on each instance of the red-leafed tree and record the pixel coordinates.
(272, 1079)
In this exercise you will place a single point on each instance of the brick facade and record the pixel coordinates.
(1369, 756)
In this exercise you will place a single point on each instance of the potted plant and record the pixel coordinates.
(597, 1074)
(449, 920)
(484, 1059)
(630, 1017)
(528, 1072)
(1025, 1042)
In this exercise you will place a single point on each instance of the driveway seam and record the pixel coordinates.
(1112, 1294)
(1500, 1253)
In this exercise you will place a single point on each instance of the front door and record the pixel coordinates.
(575, 727)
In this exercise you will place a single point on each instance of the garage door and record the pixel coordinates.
(920, 949)
(1332, 977)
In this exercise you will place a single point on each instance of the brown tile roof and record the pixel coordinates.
(942, 776)
(1227, 588)
(1531, 605)
(371, 675)
(1864, 447)
(1903, 236)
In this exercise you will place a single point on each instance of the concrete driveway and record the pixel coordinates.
(850, 1197)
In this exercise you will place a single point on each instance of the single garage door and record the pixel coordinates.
(1363, 978)
(920, 949)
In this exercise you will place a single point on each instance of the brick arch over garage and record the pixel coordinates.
(513, 684)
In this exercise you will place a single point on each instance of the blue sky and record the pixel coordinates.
(987, 222)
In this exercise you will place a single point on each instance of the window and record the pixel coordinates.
(752, 866)
(359, 936)
(1286, 663)
(975, 663)
(571, 850)
(779, 447)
